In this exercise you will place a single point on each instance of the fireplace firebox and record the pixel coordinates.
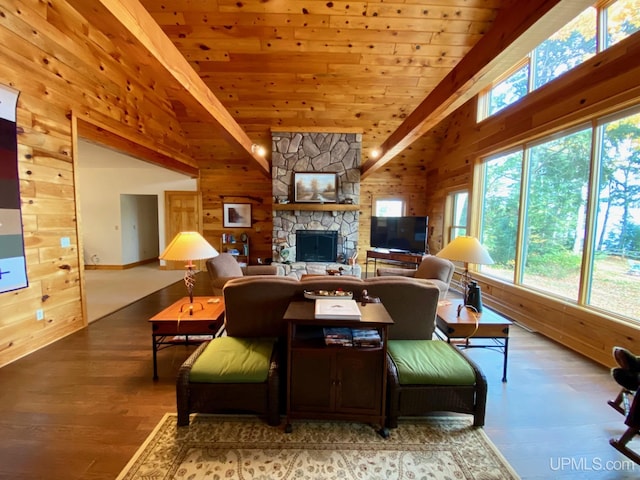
(316, 245)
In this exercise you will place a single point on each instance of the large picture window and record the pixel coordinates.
(543, 232)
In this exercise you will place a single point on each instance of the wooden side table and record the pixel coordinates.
(332, 381)
(470, 326)
(175, 321)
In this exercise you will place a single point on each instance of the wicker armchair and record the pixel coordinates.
(260, 398)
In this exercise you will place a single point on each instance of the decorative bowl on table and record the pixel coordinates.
(315, 294)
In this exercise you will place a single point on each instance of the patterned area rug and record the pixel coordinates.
(226, 448)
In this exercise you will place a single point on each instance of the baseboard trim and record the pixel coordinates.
(120, 267)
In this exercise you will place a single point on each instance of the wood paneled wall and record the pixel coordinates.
(401, 178)
(236, 181)
(606, 83)
(64, 69)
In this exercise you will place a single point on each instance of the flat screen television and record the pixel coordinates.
(399, 234)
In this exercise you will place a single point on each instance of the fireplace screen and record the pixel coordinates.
(316, 245)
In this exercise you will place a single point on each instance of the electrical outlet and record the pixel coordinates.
(40, 314)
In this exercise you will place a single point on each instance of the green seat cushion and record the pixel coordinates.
(233, 360)
(430, 362)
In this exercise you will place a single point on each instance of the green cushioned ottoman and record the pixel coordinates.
(233, 360)
(430, 362)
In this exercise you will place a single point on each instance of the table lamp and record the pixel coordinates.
(467, 250)
(189, 246)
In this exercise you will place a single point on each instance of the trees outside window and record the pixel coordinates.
(500, 212)
(616, 258)
(388, 207)
(622, 20)
(554, 226)
(456, 214)
(570, 46)
(508, 91)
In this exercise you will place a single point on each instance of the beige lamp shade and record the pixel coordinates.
(466, 249)
(188, 246)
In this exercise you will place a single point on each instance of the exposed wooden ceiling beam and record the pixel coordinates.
(137, 20)
(515, 32)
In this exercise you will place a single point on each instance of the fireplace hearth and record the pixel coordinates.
(316, 245)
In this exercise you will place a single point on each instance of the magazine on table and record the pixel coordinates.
(332, 309)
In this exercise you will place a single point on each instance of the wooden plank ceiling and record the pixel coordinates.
(318, 64)
(322, 65)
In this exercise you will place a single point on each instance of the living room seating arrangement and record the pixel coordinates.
(438, 270)
(224, 267)
(250, 372)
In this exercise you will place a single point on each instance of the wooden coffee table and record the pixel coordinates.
(465, 329)
(175, 326)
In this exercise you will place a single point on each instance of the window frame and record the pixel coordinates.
(601, 28)
(449, 213)
(585, 283)
(380, 198)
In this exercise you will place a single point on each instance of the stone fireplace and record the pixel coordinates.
(338, 153)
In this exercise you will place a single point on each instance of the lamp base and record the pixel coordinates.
(190, 282)
(474, 296)
(191, 306)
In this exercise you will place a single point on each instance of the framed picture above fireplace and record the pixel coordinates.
(315, 187)
(236, 215)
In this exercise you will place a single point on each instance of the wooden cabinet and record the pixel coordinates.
(237, 245)
(335, 382)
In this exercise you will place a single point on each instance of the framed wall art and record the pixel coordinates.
(315, 187)
(236, 215)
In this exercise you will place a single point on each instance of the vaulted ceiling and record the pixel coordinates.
(390, 70)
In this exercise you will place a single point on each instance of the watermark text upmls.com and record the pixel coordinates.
(590, 464)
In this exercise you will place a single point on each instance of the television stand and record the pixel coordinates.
(401, 258)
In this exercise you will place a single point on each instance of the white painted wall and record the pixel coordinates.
(104, 175)
(139, 218)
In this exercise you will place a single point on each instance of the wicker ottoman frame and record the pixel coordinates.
(412, 400)
(260, 398)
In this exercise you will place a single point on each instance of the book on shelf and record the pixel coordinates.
(338, 336)
(337, 309)
(366, 337)
(352, 337)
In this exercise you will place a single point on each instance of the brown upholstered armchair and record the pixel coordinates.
(437, 270)
(224, 267)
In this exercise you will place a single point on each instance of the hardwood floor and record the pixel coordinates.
(80, 408)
